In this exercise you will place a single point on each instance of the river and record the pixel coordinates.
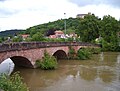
(101, 73)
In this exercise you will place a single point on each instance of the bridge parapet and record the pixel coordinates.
(32, 45)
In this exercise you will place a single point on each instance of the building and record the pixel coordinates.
(52, 36)
(58, 34)
(24, 36)
(82, 15)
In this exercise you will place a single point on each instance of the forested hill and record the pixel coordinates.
(71, 25)
(88, 28)
(10, 32)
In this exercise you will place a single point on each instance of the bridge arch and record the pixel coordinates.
(21, 61)
(60, 54)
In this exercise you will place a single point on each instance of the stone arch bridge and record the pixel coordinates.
(26, 53)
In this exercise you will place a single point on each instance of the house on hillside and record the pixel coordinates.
(60, 34)
(52, 36)
(57, 34)
(25, 36)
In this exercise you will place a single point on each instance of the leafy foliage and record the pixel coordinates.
(84, 53)
(72, 24)
(95, 50)
(71, 54)
(89, 28)
(37, 37)
(12, 83)
(109, 30)
(48, 62)
(1, 40)
(17, 39)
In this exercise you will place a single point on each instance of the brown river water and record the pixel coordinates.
(101, 73)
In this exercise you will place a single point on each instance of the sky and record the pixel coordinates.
(22, 14)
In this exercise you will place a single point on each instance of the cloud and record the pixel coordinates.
(15, 14)
(7, 12)
(27, 13)
(99, 7)
(84, 3)
(2, 0)
(6, 9)
(114, 3)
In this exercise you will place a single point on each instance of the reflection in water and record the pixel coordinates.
(101, 56)
(106, 76)
(118, 59)
(74, 75)
(88, 74)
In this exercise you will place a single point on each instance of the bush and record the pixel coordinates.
(17, 39)
(1, 40)
(38, 37)
(12, 83)
(71, 54)
(95, 50)
(112, 46)
(48, 62)
(84, 53)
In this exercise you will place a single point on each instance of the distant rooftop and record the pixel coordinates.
(82, 15)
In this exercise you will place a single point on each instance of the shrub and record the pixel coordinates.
(48, 62)
(84, 53)
(12, 83)
(95, 50)
(17, 39)
(71, 54)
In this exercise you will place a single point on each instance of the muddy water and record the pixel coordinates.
(101, 73)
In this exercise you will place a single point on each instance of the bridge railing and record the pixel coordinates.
(32, 45)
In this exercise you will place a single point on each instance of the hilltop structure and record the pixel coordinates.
(82, 15)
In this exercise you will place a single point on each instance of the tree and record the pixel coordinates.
(110, 27)
(1, 40)
(89, 28)
(109, 30)
(17, 39)
(38, 37)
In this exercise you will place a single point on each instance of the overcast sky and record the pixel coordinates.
(22, 14)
